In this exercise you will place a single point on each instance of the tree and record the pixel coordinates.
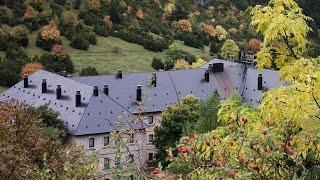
(157, 64)
(68, 18)
(229, 48)
(254, 45)
(89, 71)
(173, 120)
(182, 25)
(30, 68)
(140, 14)
(27, 151)
(279, 140)
(181, 64)
(200, 62)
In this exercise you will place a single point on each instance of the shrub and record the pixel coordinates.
(68, 18)
(76, 4)
(79, 43)
(89, 71)
(181, 64)
(48, 36)
(107, 22)
(157, 64)
(192, 41)
(92, 39)
(139, 14)
(30, 68)
(182, 25)
(229, 48)
(57, 63)
(100, 30)
(4, 16)
(20, 34)
(60, 2)
(155, 44)
(215, 47)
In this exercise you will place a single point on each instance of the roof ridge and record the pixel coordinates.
(84, 112)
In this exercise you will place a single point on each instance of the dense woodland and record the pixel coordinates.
(211, 139)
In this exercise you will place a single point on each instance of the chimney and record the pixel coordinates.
(95, 90)
(154, 80)
(260, 80)
(210, 66)
(106, 89)
(64, 73)
(119, 74)
(58, 91)
(25, 81)
(206, 76)
(78, 99)
(139, 93)
(44, 85)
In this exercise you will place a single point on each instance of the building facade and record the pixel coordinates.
(101, 111)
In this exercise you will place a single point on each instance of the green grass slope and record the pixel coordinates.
(131, 58)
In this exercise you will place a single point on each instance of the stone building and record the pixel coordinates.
(96, 108)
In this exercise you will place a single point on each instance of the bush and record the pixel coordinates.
(157, 45)
(57, 63)
(46, 44)
(229, 48)
(4, 16)
(157, 64)
(60, 2)
(100, 30)
(92, 39)
(191, 40)
(48, 36)
(215, 47)
(89, 71)
(79, 43)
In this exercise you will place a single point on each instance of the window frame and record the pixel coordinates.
(151, 118)
(150, 135)
(104, 163)
(91, 142)
(150, 155)
(104, 141)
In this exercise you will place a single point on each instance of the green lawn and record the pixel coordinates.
(132, 57)
(2, 89)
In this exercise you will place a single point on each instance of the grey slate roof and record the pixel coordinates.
(102, 113)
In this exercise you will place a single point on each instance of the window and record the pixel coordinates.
(150, 156)
(150, 120)
(91, 142)
(131, 158)
(106, 140)
(150, 138)
(131, 139)
(106, 163)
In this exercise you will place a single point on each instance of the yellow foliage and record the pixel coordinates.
(182, 25)
(50, 31)
(30, 13)
(209, 30)
(107, 22)
(181, 64)
(200, 62)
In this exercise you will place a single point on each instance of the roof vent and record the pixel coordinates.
(139, 93)
(58, 91)
(207, 76)
(78, 98)
(154, 80)
(44, 85)
(260, 80)
(95, 90)
(119, 74)
(25, 81)
(106, 89)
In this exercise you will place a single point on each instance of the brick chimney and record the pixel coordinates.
(58, 91)
(260, 80)
(119, 74)
(106, 89)
(25, 81)
(78, 98)
(44, 86)
(207, 76)
(95, 90)
(139, 93)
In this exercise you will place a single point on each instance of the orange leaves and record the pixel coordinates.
(30, 13)
(182, 25)
(209, 30)
(31, 68)
(95, 4)
(57, 48)
(107, 22)
(50, 31)
(139, 14)
(254, 45)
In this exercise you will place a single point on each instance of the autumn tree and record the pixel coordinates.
(229, 48)
(181, 64)
(49, 36)
(107, 22)
(280, 139)
(30, 68)
(182, 25)
(140, 14)
(27, 151)
(254, 45)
